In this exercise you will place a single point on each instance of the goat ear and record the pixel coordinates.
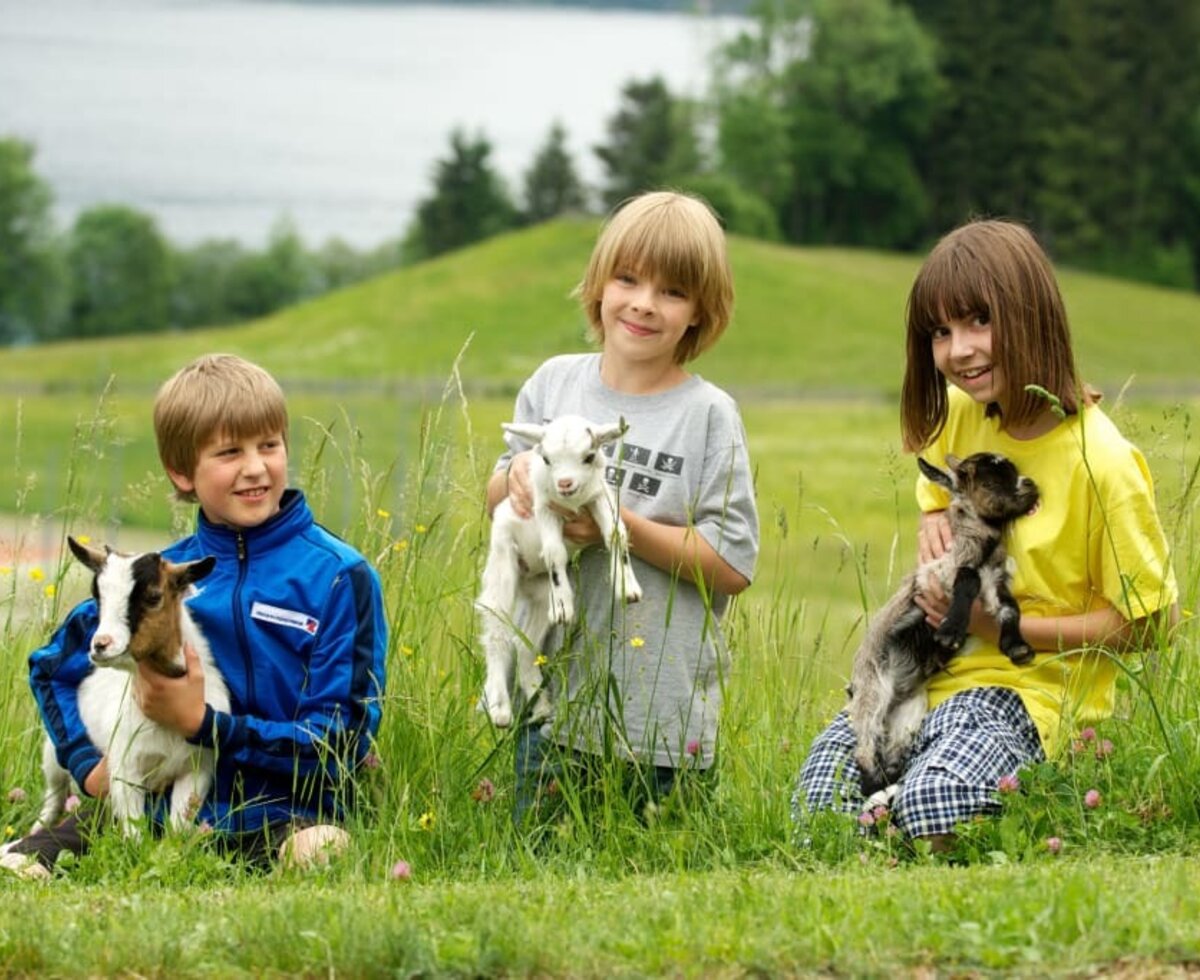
(92, 558)
(185, 573)
(607, 433)
(525, 430)
(940, 477)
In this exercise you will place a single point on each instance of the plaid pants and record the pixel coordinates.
(965, 745)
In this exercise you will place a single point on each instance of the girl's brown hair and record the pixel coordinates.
(993, 269)
(678, 238)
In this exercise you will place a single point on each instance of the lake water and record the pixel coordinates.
(219, 117)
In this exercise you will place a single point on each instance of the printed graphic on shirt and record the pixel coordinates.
(666, 463)
(285, 617)
(644, 477)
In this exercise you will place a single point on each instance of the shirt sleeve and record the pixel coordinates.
(726, 514)
(1131, 561)
(55, 672)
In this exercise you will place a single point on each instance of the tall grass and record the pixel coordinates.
(838, 529)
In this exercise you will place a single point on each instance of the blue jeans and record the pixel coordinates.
(541, 765)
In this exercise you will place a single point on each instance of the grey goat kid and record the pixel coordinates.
(526, 582)
(901, 651)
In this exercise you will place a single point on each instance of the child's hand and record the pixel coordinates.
(174, 702)
(95, 784)
(520, 493)
(935, 603)
(933, 535)
(581, 528)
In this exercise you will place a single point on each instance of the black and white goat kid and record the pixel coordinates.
(143, 619)
(526, 582)
(901, 651)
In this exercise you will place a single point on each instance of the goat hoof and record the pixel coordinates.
(1020, 654)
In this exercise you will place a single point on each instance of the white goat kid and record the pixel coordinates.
(142, 618)
(526, 583)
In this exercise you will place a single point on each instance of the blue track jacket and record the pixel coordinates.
(294, 617)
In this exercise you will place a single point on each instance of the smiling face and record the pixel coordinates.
(962, 352)
(239, 482)
(644, 317)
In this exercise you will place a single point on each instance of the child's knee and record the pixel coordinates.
(313, 847)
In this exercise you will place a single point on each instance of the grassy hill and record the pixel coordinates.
(808, 322)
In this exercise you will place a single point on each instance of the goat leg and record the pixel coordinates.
(1008, 615)
(953, 632)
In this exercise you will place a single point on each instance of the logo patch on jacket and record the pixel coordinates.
(285, 617)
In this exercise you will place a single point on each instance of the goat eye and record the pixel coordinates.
(545, 459)
(589, 458)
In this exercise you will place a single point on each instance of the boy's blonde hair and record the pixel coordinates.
(678, 238)
(215, 395)
(992, 268)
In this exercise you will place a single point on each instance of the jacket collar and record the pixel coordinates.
(294, 518)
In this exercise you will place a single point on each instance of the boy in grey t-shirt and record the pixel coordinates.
(646, 681)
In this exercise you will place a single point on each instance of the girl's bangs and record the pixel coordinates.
(946, 291)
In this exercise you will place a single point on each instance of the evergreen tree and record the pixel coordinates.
(552, 185)
(651, 141)
(469, 201)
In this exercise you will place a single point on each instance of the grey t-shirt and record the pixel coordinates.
(648, 678)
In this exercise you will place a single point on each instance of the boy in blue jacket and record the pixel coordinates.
(294, 617)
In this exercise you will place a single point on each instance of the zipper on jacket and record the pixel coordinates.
(239, 612)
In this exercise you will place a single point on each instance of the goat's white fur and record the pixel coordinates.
(526, 585)
(142, 755)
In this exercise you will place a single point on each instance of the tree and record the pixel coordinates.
(120, 273)
(552, 185)
(469, 201)
(820, 111)
(651, 141)
(31, 274)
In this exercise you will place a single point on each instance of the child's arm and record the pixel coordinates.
(55, 673)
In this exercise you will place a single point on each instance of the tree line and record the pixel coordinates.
(877, 123)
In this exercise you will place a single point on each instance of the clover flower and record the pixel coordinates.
(401, 871)
(1092, 799)
(1054, 845)
(16, 795)
(1104, 748)
(1009, 784)
(693, 748)
(485, 792)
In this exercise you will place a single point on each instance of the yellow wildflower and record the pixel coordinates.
(49, 590)
(420, 529)
(406, 650)
(637, 643)
(36, 574)
(385, 514)
(84, 539)
(541, 660)
(426, 820)
(400, 545)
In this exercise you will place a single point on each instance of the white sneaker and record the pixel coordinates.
(25, 866)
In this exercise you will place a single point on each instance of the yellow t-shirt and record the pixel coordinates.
(1093, 539)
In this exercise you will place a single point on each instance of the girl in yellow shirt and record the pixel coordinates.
(985, 322)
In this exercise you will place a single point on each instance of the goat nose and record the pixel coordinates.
(101, 643)
(565, 485)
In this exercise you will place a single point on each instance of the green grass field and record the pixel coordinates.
(395, 427)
